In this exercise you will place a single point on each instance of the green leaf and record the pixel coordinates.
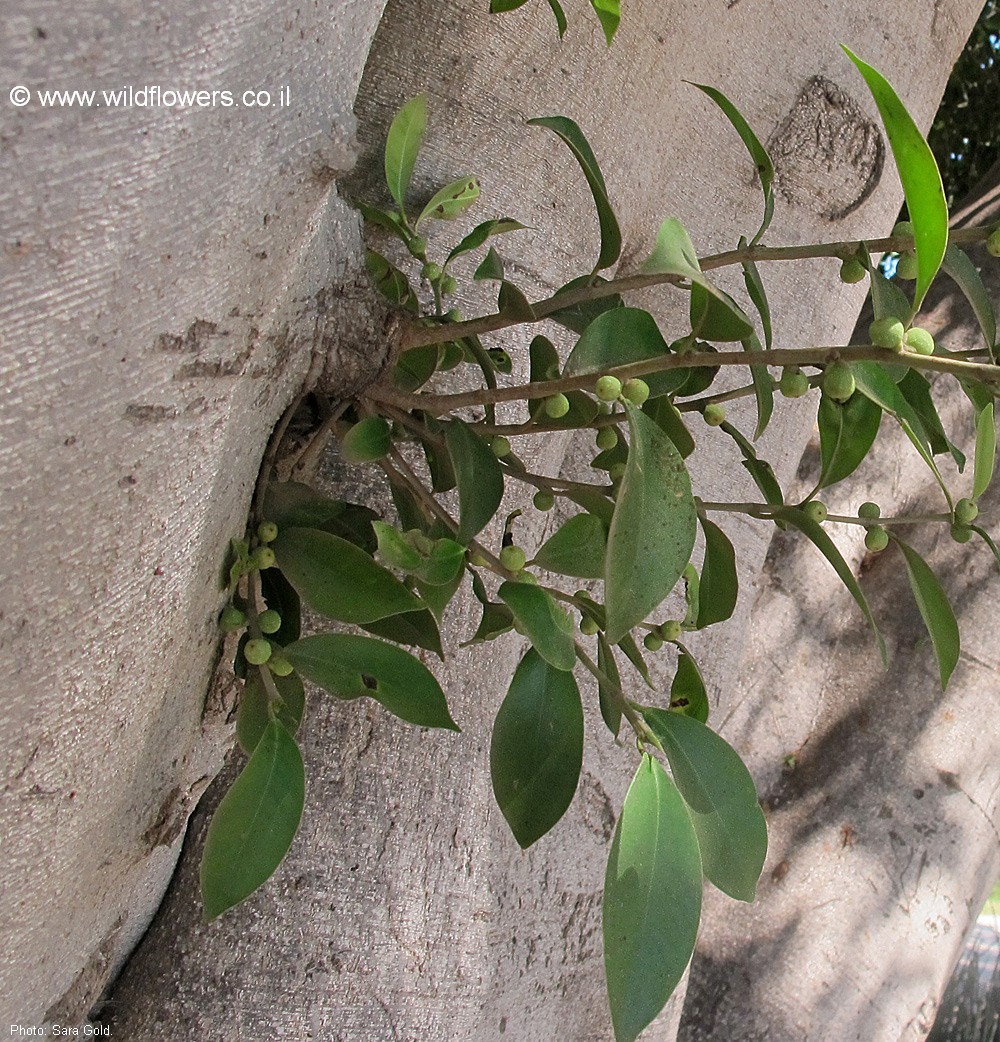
(369, 439)
(390, 281)
(755, 287)
(395, 549)
(888, 300)
(652, 900)
(576, 548)
(560, 14)
(957, 265)
(415, 367)
(986, 451)
(762, 161)
(450, 201)
(482, 232)
(918, 170)
(692, 595)
(513, 304)
(653, 529)
(760, 470)
(846, 433)
(609, 14)
(609, 700)
(620, 337)
(687, 692)
(403, 144)
(497, 619)
(722, 799)
(596, 503)
(634, 655)
(255, 823)
(763, 389)
(497, 6)
(674, 253)
(437, 597)
(490, 268)
(252, 716)
(934, 610)
(985, 536)
(479, 477)
(716, 316)
(391, 222)
(577, 317)
(545, 623)
(280, 595)
(572, 135)
(915, 388)
(443, 564)
(666, 416)
(355, 667)
(826, 546)
(418, 629)
(719, 586)
(537, 748)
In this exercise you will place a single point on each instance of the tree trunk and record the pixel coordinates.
(405, 910)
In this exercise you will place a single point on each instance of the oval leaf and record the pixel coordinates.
(479, 235)
(846, 433)
(986, 451)
(545, 623)
(450, 201)
(537, 748)
(719, 586)
(255, 823)
(966, 276)
(652, 900)
(252, 717)
(577, 548)
(354, 667)
(403, 144)
(479, 477)
(687, 692)
(609, 699)
(418, 629)
(652, 530)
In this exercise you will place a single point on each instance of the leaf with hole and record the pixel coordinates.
(687, 690)
(450, 201)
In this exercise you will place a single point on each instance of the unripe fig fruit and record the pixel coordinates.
(993, 243)
(608, 388)
(961, 533)
(906, 266)
(919, 340)
(876, 539)
(636, 390)
(367, 441)
(269, 621)
(449, 284)
(500, 446)
(431, 271)
(852, 270)
(556, 406)
(512, 558)
(714, 414)
(670, 630)
(588, 626)
(279, 666)
(455, 315)
(651, 642)
(838, 381)
(966, 511)
(607, 438)
(263, 557)
(232, 619)
(816, 511)
(617, 471)
(257, 652)
(869, 510)
(267, 532)
(544, 500)
(794, 383)
(417, 246)
(887, 332)
(902, 228)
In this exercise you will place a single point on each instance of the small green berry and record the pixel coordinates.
(267, 532)
(269, 621)
(870, 510)
(608, 388)
(714, 414)
(906, 266)
(670, 630)
(417, 246)
(544, 500)
(852, 270)
(966, 511)
(961, 533)
(816, 511)
(794, 383)
(607, 438)
(993, 242)
(902, 228)
(500, 446)
(263, 557)
(876, 539)
(449, 284)
(512, 558)
(635, 390)
(617, 471)
(232, 619)
(651, 642)
(588, 626)
(919, 340)
(431, 271)
(455, 315)
(527, 577)
(257, 652)
(838, 381)
(887, 332)
(279, 666)
(556, 406)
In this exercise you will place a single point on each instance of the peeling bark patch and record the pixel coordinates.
(141, 414)
(828, 155)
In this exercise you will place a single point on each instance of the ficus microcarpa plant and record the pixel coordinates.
(691, 812)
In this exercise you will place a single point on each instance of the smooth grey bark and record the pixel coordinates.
(404, 910)
(885, 836)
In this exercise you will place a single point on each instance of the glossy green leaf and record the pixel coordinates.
(338, 579)
(609, 14)
(482, 232)
(255, 823)
(846, 433)
(355, 667)
(443, 563)
(716, 316)
(666, 416)
(513, 304)
(479, 477)
(415, 367)
(572, 135)
(496, 620)
(916, 389)
(391, 222)
(652, 900)
(560, 16)
(760, 470)
(369, 439)
(763, 388)
(653, 529)
(403, 145)
(888, 300)
(755, 287)
(577, 317)
(635, 656)
(438, 596)
(986, 451)
(688, 694)
(576, 548)
(252, 716)
(490, 268)
(537, 748)
(719, 586)
(596, 503)
(934, 610)
(451, 201)
(417, 629)
(609, 700)
(762, 161)
(964, 273)
(918, 171)
(545, 623)
(280, 595)
(390, 282)
(826, 546)
(395, 549)
(674, 253)
(722, 800)
(497, 6)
